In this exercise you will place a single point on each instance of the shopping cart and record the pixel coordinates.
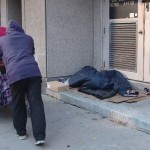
(5, 92)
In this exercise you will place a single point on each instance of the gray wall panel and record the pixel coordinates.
(69, 36)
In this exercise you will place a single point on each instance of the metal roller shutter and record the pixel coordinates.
(123, 46)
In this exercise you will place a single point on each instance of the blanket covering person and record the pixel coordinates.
(103, 84)
(24, 77)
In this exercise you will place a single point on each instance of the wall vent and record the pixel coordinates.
(123, 46)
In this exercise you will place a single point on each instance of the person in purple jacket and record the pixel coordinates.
(24, 78)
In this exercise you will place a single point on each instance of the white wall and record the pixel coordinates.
(98, 34)
(67, 33)
(3, 9)
(33, 19)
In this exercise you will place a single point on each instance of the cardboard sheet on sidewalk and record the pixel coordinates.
(119, 99)
(83, 94)
(116, 99)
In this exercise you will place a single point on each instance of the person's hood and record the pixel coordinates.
(13, 26)
(2, 31)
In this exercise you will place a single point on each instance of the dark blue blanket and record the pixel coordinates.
(90, 78)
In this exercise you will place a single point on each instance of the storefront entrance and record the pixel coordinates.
(14, 10)
(126, 44)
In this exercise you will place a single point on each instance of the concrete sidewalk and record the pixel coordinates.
(71, 128)
(136, 114)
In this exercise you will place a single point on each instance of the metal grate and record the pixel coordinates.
(123, 46)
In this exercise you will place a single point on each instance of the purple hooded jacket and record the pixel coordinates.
(17, 50)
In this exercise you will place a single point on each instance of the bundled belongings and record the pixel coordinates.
(103, 84)
(5, 93)
(146, 91)
(2, 31)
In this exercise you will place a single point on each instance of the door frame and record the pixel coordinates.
(147, 45)
(139, 74)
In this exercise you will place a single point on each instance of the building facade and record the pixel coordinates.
(71, 34)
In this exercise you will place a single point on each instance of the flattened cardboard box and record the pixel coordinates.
(57, 86)
(53, 94)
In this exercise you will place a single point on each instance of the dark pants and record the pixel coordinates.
(32, 88)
